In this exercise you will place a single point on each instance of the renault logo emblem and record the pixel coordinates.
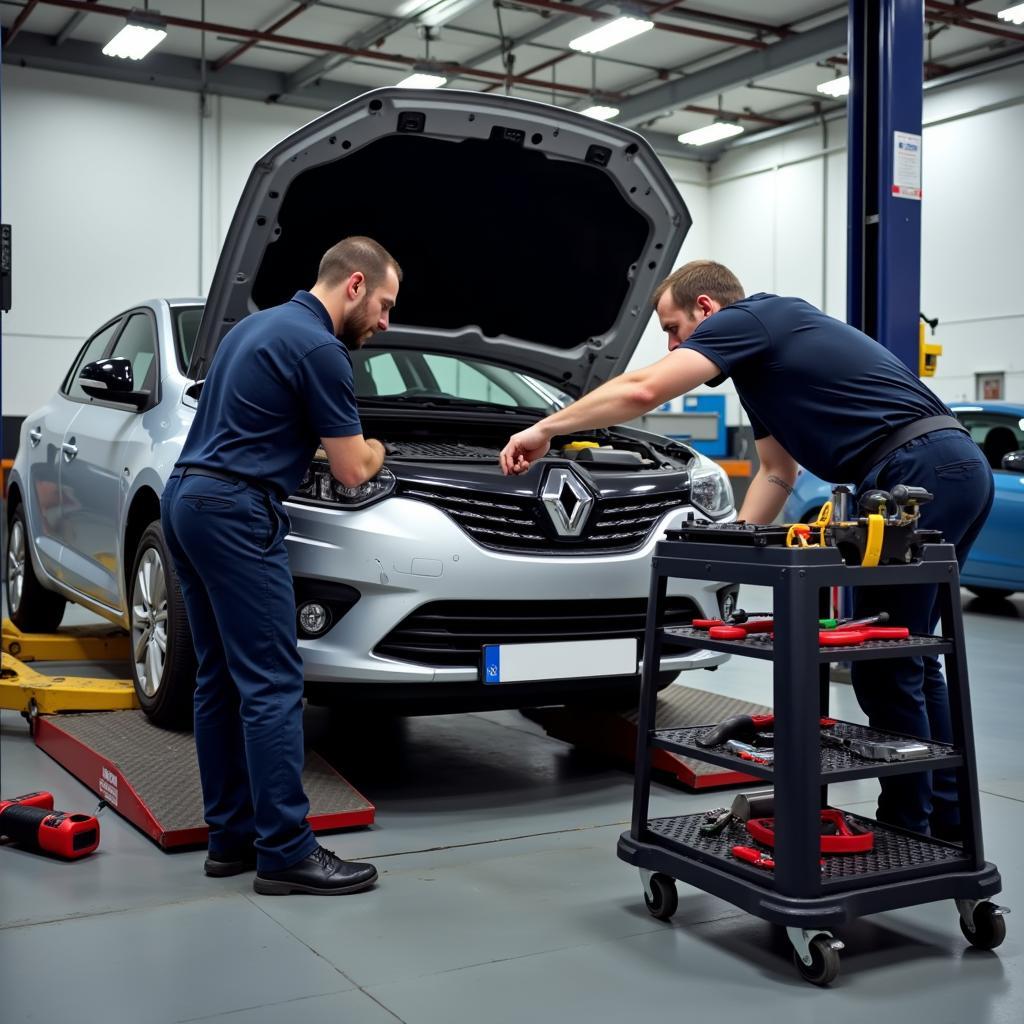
(568, 502)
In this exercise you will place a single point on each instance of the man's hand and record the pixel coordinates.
(377, 446)
(524, 449)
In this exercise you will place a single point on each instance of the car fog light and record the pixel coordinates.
(314, 618)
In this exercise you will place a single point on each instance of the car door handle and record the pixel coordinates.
(35, 435)
(70, 450)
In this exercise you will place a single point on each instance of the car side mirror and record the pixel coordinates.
(112, 380)
(1014, 462)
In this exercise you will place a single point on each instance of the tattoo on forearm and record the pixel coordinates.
(782, 483)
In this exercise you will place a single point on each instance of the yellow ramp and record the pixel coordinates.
(24, 689)
(75, 643)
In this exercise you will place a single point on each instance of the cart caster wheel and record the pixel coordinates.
(662, 900)
(989, 926)
(824, 965)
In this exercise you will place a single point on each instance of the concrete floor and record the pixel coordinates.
(501, 898)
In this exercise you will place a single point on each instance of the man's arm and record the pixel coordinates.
(355, 459)
(772, 483)
(621, 399)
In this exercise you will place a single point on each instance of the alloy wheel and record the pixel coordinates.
(16, 565)
(149, 622)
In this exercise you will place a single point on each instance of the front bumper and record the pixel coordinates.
(401, 554)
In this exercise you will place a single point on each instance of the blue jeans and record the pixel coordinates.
(909, 695)
(227, 542)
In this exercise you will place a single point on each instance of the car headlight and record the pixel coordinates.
(710, 489)
(319, 487)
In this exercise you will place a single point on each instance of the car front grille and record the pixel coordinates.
(504, 522)
(453, 633)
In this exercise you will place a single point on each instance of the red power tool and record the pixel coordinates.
(31, 821)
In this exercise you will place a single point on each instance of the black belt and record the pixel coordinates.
(907, 433)
(231, 478)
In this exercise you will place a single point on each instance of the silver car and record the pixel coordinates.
(531, 239)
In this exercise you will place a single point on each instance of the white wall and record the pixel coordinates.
(778, 219)
(103, 188)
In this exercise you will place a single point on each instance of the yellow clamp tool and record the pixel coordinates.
(799, 533)
(873, 545)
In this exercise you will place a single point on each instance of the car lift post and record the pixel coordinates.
(885, 53)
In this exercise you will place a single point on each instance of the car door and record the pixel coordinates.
(45, 431)
(94, 470)
(997, 557)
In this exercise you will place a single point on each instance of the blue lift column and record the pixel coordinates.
(883, 286)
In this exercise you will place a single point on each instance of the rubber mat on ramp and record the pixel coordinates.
(150, 775)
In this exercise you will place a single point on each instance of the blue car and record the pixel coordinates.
(995, 567)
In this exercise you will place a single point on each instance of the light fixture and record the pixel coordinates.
(144, 30)
(420, 80)
(710, 133)
(601, 113)
(836, 87)
(611, 34)
(434, 13)
(1014, 14)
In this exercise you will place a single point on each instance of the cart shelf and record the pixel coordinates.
(837, 764)
(761, 645)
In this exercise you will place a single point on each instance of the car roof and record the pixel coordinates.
(989, 405)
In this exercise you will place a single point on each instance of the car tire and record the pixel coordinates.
(163, 657)
(33, 608)
(990, 593)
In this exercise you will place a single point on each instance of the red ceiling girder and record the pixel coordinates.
(238, 51)
(19, 21)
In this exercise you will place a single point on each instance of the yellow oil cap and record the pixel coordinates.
(575, 446)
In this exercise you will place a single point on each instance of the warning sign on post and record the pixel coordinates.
(906, 165)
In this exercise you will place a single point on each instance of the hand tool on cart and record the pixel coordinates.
(31, 821)
(744, 807)
(846, 637)
(877, 750)
(744, 728)
(849, 623)
(736, 618)
(839, 833)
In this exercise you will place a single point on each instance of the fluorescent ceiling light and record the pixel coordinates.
(711, 133)
(434, 13)
(836, 87)
(418, 80)
(1014, 14)
(138, 37)
(611, 34)
(601, 113)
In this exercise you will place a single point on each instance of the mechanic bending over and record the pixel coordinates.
(280, 384)
(822, 394)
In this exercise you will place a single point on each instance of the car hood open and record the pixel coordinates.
(529, 235)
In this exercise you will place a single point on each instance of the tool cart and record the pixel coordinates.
(795, 883)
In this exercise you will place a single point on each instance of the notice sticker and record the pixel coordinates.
(906, 165)
(108, 786)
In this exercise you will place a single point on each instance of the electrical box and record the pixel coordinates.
(701, 424)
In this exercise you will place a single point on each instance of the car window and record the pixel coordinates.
(995, 433)
(462, 379)
(378, 374)
(92, 350)
(137, 343)
(186, 327)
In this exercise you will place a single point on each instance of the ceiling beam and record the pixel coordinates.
(23, 16)
(796, 49)
(293, 12)
(70, 25)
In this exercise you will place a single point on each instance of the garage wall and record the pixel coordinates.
(778, 218)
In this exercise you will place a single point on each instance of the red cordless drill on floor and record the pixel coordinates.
(31, 821)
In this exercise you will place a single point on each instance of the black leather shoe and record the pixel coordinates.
(224, 867)
(322, 873)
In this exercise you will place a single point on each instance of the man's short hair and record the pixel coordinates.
(357, 253)
(700, 277)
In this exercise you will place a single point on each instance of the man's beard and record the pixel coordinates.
(356, 330)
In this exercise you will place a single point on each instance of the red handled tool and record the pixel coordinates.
(838, 833)
(31, 821)
(845, 637)
(752, 856)
(742, 630)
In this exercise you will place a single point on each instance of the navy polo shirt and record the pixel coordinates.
(824, 390)
(279, 382)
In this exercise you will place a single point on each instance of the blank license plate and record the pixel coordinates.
(573, 659)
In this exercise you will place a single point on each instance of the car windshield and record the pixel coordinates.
(186, 326)
(389, 375)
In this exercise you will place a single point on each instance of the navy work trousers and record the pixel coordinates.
(227, 542)
(909, 695)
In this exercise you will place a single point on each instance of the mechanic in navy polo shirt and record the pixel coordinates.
(820, 394)
(280, 385)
